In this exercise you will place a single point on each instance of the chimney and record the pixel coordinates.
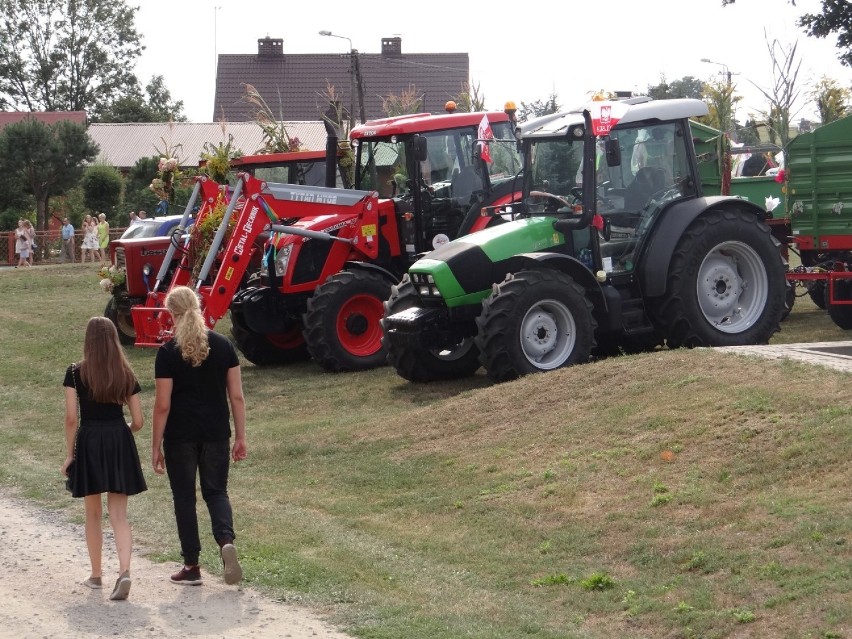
(392, 46)
(268, 47)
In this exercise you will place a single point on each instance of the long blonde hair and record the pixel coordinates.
(190, 329)
(105, 370)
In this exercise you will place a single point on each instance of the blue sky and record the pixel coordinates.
(521, 54)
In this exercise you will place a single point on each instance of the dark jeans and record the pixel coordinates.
(211, 461)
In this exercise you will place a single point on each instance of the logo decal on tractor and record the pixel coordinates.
(241, 243)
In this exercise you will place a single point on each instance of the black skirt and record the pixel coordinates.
(106, 460)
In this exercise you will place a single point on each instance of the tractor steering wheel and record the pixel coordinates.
(553, 202)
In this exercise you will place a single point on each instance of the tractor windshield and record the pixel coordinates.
(450, 169)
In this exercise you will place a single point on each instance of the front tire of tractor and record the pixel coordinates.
(123, 322)
(534, 321)
(417, 363)
(726, 284)
(342, 323)
(268, 350)
(840, 314)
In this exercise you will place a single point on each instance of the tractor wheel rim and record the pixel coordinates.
(548, 334)
(732, 287)
(358, 327)
(287, 340)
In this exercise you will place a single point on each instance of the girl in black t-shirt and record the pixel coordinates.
(197, 377)
(102, 448)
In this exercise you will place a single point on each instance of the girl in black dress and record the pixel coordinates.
(102, 449)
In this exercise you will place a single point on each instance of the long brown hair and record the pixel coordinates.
(105, 370)
(190, 329)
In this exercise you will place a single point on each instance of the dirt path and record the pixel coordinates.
(43, 560)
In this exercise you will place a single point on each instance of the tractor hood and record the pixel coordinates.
(463, 270)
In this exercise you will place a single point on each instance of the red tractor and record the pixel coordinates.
(141, 258)
(420, 181)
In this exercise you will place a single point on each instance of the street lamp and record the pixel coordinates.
(354, 72)
(725, 70)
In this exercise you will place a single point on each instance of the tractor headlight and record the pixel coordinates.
(425, 285)
(282, 259)
(147, 270)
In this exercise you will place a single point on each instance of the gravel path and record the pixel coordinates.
(43, 560)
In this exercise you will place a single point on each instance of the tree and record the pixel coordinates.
(137, 191)
(407, 102)
(836, 17)
(66, 55)
(721, 102)
(469, 99)
(156, 106)
(687, 87)
(49, 159)
(832, 100)
(538, 108)
(102, 189)
(784, 93)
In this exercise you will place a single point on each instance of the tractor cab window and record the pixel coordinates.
(654, 170)
(381, 166)
(503, 149)
(553, 178)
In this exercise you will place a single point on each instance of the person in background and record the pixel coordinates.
(196, 375)
(102, 448)
(142, 215)
(103, 237)
(31, 234)
(134, 219)
(22, 244)
(90, 238)
(67, 242)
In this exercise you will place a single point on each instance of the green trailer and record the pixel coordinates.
(818, 183)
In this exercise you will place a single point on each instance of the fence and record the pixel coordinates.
(49, 245)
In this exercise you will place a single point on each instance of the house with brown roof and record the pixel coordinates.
(46, 117)
(294, 85)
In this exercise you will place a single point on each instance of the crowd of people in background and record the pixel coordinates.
(94, 239)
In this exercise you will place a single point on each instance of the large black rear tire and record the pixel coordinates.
(726, 284)
(417, 363)
(342, 324)
(123, 322)
(534, 321)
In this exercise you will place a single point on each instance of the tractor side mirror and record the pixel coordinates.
(421, 151)
(613, 152)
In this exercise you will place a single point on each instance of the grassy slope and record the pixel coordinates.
(678, 494)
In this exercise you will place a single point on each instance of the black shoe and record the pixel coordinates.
(233, 571)
(187, 576)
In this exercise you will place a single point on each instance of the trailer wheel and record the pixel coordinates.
(534, 321)
(123, 322)
(418, 364)
(726, 284)
(816, 291)
(841, 314)
(342, 324)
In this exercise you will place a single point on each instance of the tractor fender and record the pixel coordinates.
(372, 268)
(566, 264)
(669, 228)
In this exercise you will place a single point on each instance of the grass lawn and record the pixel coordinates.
(667, 494)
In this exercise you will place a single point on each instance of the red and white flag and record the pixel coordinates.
(485, 133)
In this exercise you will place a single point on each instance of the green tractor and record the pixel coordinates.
(613, 248)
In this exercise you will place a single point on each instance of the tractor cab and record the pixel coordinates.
(434, 170)
(639, 167)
